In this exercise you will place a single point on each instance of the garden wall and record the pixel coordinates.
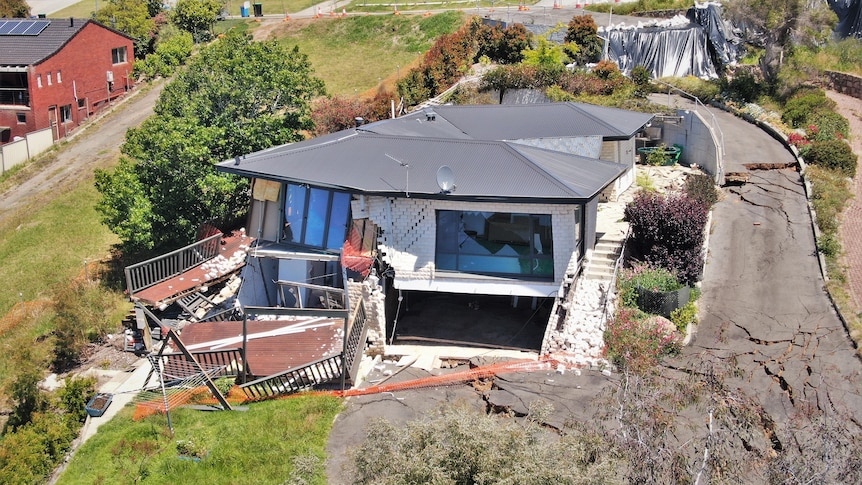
(844, 83)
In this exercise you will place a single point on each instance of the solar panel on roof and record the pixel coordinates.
(20, 28)
(23, 27)
(37, 27)
(8, 25)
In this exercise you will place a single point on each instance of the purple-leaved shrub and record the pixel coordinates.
(667, 232)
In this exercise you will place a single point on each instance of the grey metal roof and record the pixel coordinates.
(518, 121)
(363, 162)
(27, 50)
(543, 120)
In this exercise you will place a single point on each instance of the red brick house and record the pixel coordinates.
(57, 72)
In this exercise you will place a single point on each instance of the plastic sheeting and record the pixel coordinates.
(722, 39)
(664, 52)
(849, 17)
(681, 46)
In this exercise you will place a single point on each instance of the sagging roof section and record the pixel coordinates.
(392, 165)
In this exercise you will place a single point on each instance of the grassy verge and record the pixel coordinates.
(832, 192)
(42, 250)
(354, 54)
(272, 442)
(639, 6)
(422, 5)
(80, 10)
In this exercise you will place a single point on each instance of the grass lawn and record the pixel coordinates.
(354, 54)
(260, 445)
(41, 249)
(80, 10)
(412, 5)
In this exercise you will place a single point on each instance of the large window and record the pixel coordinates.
(495, 243)
(315, 217)
(118, 55)
(13, 88)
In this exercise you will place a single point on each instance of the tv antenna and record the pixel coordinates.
(445, 179)
(406, 166)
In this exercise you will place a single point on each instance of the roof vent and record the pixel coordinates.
(71, 21)
(430, 115)
(359, 121)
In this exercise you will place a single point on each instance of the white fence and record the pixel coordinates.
(32, 144)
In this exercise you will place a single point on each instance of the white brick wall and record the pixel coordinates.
(409, 233)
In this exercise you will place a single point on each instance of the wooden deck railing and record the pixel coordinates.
(322, 371)
(148, 273)
(230, 360)
(297, 379)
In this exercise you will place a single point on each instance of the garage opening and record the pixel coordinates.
(488, 321)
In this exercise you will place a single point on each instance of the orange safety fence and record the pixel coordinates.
(544, 363)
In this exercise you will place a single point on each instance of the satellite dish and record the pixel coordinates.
(446, 179)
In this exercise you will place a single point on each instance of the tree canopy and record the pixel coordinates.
(236, 96)
(583, 31)
(776, 25)
(14, 9)
(197, 17)
(132, 17)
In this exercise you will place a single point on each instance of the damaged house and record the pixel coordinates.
(455, 218)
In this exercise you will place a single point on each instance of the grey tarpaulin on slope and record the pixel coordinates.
(722, 38)
(676, 50)
(849, 17)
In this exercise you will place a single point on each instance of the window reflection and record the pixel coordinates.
(495, 243)
(315, 217)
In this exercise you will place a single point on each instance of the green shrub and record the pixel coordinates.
(828, 125)
(642, 275)
(834, 154)
(744, 87)
(705, 90)
(802, 104)
(635, 342)
(640, 76)
(829, 245)
(75, 395)
(702, 188)
(685, 316)
(557, 94)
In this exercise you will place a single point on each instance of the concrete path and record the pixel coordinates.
(851, 224)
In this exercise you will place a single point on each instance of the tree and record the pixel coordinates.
(14, 9)
(583, 31)
(133, 18)
(776, 25)
(236, 97)
(197, 17)
(546, 54)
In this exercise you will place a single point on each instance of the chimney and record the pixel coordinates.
(71, 21)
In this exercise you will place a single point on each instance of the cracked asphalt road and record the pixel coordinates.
(764, 304)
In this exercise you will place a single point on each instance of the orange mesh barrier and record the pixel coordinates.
(544, 363)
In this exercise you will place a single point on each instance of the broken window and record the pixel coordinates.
(316, 217)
